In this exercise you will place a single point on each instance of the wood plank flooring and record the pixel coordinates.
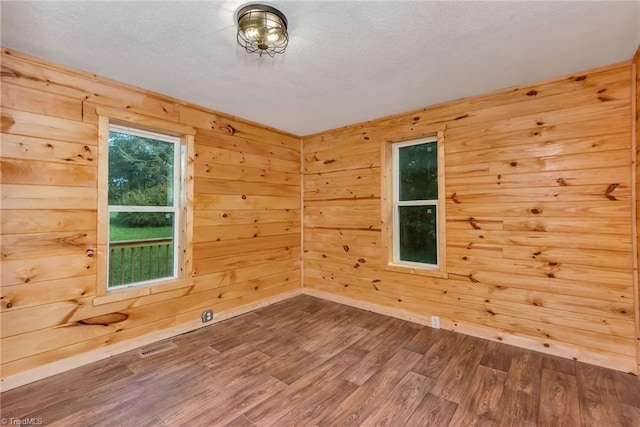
(306, 362)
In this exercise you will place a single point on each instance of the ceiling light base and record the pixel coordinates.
(262, 29)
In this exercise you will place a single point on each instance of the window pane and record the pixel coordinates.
(418, 172)
(418, 234)
(141, 247)
(140, 171)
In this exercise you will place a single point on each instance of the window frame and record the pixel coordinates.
(182, 239)
(397, 203)
(176, 208)
(390, 202)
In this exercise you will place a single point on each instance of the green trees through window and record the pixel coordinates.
(140, 174)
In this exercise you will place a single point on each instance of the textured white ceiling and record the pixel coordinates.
(346, 62)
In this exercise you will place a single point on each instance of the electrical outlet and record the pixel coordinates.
(435, 322)
(207, 316)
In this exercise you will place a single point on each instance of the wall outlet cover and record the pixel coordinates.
(207, 316)
(435, 322)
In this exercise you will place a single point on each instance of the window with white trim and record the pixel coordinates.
(415, 203)
(146, 199)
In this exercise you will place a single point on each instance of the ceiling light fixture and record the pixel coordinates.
(262, 29)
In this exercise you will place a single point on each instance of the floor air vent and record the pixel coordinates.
(153, 349)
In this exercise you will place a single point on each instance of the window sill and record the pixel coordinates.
(116, 295)
(399, 268)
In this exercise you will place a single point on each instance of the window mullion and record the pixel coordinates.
(417, 203)
(125, 208)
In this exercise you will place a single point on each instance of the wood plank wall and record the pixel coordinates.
(545, 264)
(636, 124)
(539, 218)
(246, 215)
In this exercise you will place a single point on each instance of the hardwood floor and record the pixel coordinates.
(305, 362)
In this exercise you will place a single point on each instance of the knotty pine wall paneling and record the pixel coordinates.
(247, 231)
(538, 217)
(539, 236)
(636, 155)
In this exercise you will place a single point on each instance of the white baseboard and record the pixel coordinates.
(555, 348)
(69, 363)
(558, 349)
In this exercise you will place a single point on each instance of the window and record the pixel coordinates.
(413, 206)
(415, 203)
(145, 205)
(146, 193)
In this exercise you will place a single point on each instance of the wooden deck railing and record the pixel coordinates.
(140, 260)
